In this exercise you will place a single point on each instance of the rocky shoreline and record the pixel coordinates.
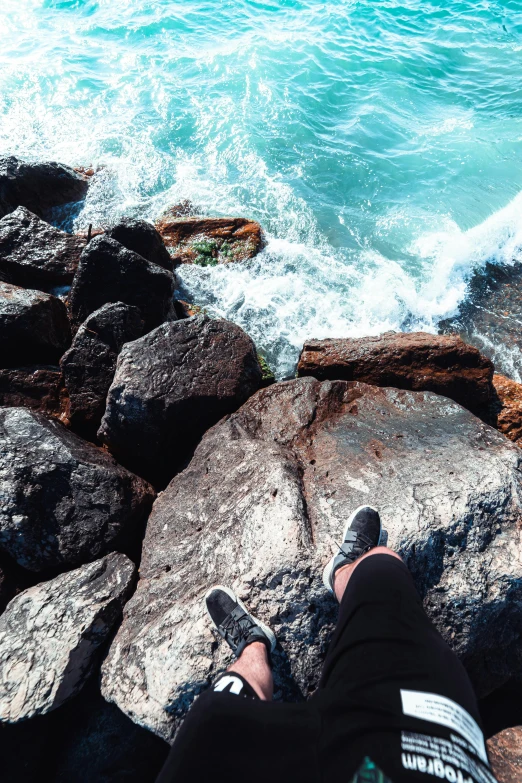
(146, 452)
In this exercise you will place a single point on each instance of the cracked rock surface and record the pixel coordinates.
(261, 508)
(62, 500)
(51, 633)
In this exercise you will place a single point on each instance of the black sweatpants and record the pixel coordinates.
(394, 704)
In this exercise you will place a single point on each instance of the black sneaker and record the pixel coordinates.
(363, 532)
(234, 623)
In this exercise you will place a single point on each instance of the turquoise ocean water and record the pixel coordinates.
(378, 142)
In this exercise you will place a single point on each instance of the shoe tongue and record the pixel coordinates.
(221, 605)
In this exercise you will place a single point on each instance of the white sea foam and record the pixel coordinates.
(361, 140)
(292, 291)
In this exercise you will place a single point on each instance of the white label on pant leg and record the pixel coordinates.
(236, 685)
(445, 712)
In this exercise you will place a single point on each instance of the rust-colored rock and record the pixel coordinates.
(508, 407)
(38, 388)
(209, 241)
(186, 309)
(505, 753)
(416, 361)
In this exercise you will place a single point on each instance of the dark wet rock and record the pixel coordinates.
(261, 508)
(491, 315)
(173, 384)
(38, 387)
(87, 740)
(33, 326)
(142, 238)
(38, 186)
(108, 272)
(505, 753)
(13, 580)
(89, 364)
(5, 596)
(210, 241)
(50, 634)
(417, 361)
(34, 254)
(64, 501)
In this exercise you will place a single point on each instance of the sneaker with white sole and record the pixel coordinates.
(234, 623)
(362, 532)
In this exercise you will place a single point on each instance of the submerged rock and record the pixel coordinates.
(50, 635)
(38, 186)
(142, 238)
(34, 254)
(64, 501)
(261, 508)
(108, 272)
(38, 387)
(89, 364)
(416, 361)
(173, 384)
(33, 326)
(490, 317)
(210, 241)
(505, 753)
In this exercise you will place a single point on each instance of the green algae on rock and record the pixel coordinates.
(210, 241)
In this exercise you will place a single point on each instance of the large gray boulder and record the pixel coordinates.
(89, 364)
(261, 508)
(34, 254)
(173, 384)
(33, 326)
(38, 186)
(108, 272)
(63, 501)
(50, 635)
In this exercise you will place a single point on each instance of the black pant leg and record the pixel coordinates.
(227, 737)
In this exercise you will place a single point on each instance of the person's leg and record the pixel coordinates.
(343, 574)
(254, 666)
(234, 726)
(391, 687)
